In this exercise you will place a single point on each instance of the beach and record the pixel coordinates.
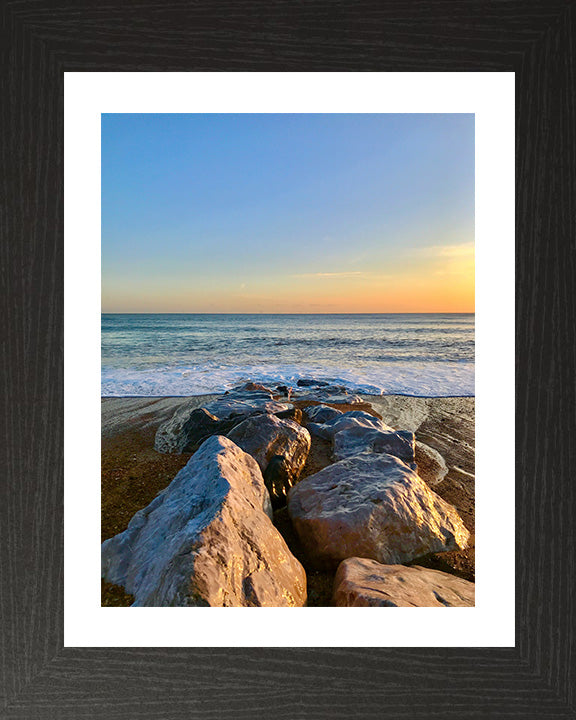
(133, 472)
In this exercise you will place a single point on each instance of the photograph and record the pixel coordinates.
(288, 360)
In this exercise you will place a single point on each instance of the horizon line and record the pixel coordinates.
(436, 312)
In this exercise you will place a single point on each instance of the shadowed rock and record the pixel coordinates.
(373, 506)
(360, 582)
(306, 382)
(292, 414)
(265, 436)
(183, 429)
(279, 478)
(201, 425)
(207, 539)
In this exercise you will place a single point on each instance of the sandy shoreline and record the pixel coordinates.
(133, 472)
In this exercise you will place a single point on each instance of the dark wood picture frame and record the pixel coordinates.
(41, 39)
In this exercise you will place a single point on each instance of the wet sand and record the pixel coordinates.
(133, 473)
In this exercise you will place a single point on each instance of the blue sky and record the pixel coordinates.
(287, 213)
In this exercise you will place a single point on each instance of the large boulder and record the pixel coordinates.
(328, 428)
(432, 467)
(357, 431)
(373, 506)
(354, 440)
(360, 582)
(207, 540)
(266, 437)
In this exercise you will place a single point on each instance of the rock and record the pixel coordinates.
(186, 425)
(183, 434)
(305, 382)
(201, 425)
(357, 431)
(322, 392)
(354, 440)
(249, 395)
(322, 413)
(360, 582)
(320, 430)
(279, 478)
(355, 419)
(207, 540)
(343, 421)
(373, 506)
(431, 465)
(265, 436)
(255, 387)
(284, 390)
(187, 429)
(293, 414)
(227, 406)
(329, 394)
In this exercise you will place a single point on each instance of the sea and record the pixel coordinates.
(425, 355)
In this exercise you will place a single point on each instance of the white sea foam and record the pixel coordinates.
(424, 379)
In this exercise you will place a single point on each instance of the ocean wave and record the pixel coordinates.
(423, 379)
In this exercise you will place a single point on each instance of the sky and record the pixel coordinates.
(300, 213)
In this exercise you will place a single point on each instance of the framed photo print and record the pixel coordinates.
(287, 334)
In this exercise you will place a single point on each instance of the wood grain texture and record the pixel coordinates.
(42, 39)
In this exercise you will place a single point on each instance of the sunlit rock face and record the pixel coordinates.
(431, 465)
(360, 582)
(280, 447)
(328, 428)
(207, 539)
(354, 440)
(323, 392)
(373, 506)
